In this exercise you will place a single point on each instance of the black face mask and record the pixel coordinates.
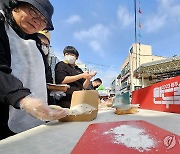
(96, 87)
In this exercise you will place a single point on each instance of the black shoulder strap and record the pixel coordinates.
(2, 19)
(5, 40)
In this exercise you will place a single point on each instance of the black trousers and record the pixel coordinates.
(5, 132)
(4, 116)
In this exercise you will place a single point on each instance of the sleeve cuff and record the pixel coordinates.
(15, 97)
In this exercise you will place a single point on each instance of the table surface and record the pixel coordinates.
(61, 137)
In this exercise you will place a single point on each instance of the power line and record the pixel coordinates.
(144, 54)
(100, 64)
(141, 54)
(86, 62)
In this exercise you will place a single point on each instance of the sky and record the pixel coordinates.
(103, 31)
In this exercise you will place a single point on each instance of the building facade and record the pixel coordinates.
(138, 54)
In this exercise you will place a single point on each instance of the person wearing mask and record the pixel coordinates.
(67, 72)
(94, 84)
(44, 37)
(23, 93)
(44, 45)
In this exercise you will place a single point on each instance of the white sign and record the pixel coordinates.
(167, 94)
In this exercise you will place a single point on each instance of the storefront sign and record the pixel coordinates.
(162, 96)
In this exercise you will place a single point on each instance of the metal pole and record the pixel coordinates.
(135, 29)
(135, 26)
(135, 21)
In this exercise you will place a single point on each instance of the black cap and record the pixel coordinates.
(45, 8)
(71, 49)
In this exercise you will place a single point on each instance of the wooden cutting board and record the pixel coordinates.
(96, 140)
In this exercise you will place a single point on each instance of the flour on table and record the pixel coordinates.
(132, 137)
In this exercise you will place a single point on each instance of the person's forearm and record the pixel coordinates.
(86, 83)
(11, 89)
(69, 79)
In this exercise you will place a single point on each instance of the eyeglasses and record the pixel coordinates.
(45, 45)
(37, 15)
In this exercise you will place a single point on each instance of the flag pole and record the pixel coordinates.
(135, 29)
(135, 19)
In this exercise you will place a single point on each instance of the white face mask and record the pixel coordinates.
(70, 59)
(45, 49)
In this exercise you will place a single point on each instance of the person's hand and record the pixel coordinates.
(87, 75)
(93, 73)
(39, 110)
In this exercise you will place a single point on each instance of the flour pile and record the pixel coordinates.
(82, 109)
(76, 110)
(132, 137)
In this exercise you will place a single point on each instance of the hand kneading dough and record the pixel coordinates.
(76, 110)
(56, 107)
(82, 109)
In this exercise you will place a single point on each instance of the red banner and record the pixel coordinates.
(162, 96)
